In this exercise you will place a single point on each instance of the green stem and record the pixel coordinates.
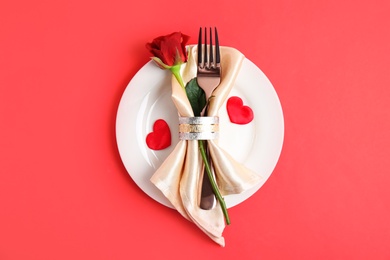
(212, 181)
(176, 72)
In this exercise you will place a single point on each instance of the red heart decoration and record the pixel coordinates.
(238, 113)
(160, 138)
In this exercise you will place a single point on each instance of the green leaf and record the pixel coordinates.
(196, 96)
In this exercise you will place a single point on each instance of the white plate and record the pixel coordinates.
(148, 97)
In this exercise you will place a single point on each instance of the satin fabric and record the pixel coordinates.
(180, 176)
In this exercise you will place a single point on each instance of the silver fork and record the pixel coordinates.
(209, 67)
(208, 78)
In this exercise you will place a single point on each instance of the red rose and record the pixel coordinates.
(169, 50)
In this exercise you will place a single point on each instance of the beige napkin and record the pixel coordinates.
(180, 176)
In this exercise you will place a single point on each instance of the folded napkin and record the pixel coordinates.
(180, 176)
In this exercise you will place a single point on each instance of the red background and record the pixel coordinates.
(64, 193)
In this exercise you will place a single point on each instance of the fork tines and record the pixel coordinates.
(206, 57)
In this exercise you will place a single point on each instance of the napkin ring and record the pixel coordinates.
(199, 128)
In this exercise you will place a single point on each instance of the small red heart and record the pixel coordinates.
(160, 138)
(238, 113)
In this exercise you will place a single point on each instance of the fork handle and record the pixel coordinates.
(207, 199)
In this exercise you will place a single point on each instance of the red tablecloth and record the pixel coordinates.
(65, 194)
